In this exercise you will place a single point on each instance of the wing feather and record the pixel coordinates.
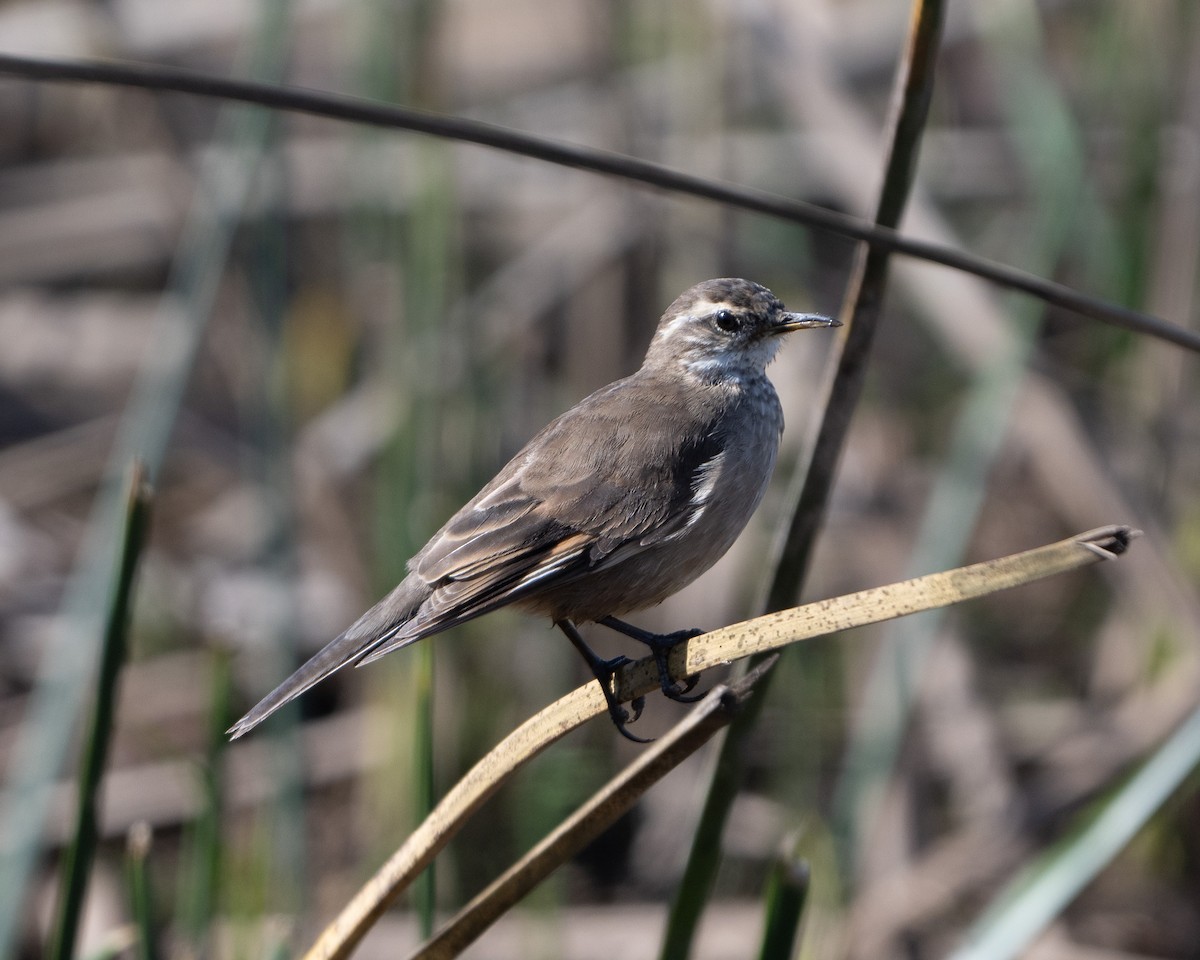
(629, 468)
(624, 470)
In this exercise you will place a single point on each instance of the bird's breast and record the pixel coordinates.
(728, 489)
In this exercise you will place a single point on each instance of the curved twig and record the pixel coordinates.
(761, 635)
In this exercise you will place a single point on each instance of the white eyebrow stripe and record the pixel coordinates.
(702, 309)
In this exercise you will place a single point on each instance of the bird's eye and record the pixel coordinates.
(727, 320)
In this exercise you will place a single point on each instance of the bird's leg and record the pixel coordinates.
(604, 670)
(660, 645)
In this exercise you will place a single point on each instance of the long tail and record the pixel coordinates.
(382, 623)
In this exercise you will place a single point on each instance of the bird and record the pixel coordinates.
(612, 507)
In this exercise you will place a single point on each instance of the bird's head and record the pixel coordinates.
(723, 328)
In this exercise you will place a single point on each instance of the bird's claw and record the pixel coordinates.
(673, 689)
(661, 645)
(605, 671)
(620, 716)
(679, 690)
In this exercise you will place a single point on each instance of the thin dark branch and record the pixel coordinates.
(862, 309)
(356, 110)
(838, 399)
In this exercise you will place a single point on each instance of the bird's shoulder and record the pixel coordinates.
(638, 423)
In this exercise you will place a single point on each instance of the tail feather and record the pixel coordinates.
(377, 626)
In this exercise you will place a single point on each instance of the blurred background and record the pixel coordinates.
(324, 339)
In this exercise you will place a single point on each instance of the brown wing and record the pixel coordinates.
(618, 473)
(619, 470)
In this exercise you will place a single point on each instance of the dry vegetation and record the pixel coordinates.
(361, 326)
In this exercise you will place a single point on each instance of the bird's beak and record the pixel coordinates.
(802, 321)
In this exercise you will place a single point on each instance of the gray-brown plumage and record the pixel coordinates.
(615, 505)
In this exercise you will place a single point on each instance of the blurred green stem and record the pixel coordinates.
(268, 424)
(66, 667)
(398, 65)
(202, 858)
(141, 900)
(1044, 888)
(82, 850)
(786, 894)
(1052, 156)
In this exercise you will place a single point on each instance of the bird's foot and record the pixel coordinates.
(677, 690)
(605, 671)
(620, 716)
(661, 645)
